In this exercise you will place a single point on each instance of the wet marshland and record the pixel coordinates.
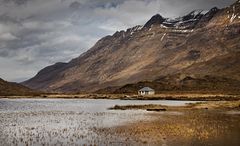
(88, 122)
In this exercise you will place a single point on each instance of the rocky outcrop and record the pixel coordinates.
(155, 20)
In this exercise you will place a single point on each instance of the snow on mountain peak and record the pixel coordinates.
(199, 12)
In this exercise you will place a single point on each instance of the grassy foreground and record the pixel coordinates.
(188, 128)
(202, 123)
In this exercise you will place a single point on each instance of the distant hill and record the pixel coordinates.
(181, 83)
(14, 89)
(199, 45)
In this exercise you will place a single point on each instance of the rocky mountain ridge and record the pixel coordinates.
(188, 21)
(199, 44)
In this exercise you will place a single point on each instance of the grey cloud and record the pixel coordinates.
(4, 53)
(7, 37)
(17, 2)
(75, 5)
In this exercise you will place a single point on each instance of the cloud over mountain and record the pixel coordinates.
(34, 34)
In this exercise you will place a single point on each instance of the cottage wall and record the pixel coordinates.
(146, 92)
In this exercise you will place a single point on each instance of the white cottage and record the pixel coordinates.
(146, 91)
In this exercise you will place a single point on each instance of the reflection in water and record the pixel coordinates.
(73, 121)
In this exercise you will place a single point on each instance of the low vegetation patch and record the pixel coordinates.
(190, 106)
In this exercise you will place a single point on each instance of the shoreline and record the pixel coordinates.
(168, 96)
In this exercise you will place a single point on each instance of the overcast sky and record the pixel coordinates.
(38, 33)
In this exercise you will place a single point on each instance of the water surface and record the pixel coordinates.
(68, 121)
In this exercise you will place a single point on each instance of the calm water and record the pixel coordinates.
(65, 121)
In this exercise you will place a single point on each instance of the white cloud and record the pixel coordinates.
(7, 37)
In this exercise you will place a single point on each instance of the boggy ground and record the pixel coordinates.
(188, 128)
(211, 123)
(213, 105)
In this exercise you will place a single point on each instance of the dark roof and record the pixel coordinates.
(146, 89)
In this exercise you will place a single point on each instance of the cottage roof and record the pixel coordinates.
(146, 89)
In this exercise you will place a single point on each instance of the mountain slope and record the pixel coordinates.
(182, 83)
(200, 43)
(8, 88)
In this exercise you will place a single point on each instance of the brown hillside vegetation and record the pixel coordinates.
(14, 89)
(181, 83)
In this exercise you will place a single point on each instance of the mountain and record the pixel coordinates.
(200, 44)
(9, 88)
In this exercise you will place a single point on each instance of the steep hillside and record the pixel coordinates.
(8, 88)
(201, 43)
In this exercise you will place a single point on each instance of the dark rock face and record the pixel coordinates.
(156, 19)
(194, 55)
(207, 17)
(199, 44)
(189, 21)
